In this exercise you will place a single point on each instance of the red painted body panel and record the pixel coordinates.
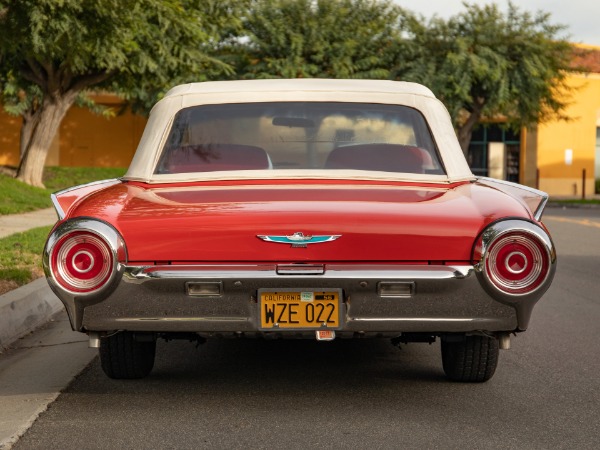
(67, 199)
(219, 222)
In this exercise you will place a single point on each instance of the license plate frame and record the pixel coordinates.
(331, 322)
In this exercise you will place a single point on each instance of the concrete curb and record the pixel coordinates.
(25, 309)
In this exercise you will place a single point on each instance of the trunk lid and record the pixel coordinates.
(401, 222)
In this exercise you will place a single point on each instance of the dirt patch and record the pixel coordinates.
(8, 170)
(7, 285)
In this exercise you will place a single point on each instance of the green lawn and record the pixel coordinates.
(21, 257)
(590, 201)
(57, 178)
(17, 197)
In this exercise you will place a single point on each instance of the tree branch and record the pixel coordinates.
(65, 77)
(53, 82)
(35, 73)
(84, 81)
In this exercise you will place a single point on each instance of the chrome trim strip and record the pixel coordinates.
(292, 269)
(59, 211)
(91, 183)
(412, 319)
(181, 319)
(379, 272)
(541, 207)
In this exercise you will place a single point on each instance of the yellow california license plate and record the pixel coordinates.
(296, 309)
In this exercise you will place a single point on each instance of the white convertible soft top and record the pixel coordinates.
(306, 90)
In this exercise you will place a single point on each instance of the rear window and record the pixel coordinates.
(299, 135)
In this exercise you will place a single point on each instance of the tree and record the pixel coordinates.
(485, 63)
(322, 38)
(53, 51)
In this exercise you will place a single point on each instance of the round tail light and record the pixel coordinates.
(515, 258)
(517, 263)
(82, 261)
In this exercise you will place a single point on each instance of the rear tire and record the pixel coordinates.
(472, 360)
(122, 357)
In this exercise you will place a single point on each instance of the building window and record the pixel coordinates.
(499, 160)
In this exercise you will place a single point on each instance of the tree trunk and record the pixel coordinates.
(465, 131)
(51, 114)
(30, 120)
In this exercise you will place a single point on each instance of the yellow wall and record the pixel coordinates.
(84, 139)
(10, 128)
(89, 140)
(579, 134)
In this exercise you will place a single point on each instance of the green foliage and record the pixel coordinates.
(17, 197)
(52, 51)
(21, 255)
(483, 62)
(18, 276)
(219, 21)
(322, 38)
(78, 38)
(576, 201)
(20, 247)
(57, 178)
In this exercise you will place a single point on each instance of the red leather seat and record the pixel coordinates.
(214, 157)
(379, 157)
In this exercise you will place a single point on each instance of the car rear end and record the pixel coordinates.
(295, 219)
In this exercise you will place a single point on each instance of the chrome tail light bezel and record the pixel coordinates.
(115, 253)
(533, 239)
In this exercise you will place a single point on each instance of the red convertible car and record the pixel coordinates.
(318, 209)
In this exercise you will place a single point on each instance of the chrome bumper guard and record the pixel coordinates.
(221, 300)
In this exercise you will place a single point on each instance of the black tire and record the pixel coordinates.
(471, 360)
(122, 357)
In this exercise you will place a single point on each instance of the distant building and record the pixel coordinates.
(552, 156)
(84, 139)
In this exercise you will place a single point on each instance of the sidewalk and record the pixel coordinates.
(27, 386)
(28, 307)
(16, 223)
(34, 372)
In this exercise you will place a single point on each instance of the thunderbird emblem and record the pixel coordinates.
(298, 239)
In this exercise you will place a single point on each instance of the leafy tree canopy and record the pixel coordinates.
(53, 50)
(487, 63)
(322, 38)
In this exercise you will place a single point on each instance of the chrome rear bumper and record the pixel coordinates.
(436, 299)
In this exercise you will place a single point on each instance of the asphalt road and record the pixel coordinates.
(360, 394)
